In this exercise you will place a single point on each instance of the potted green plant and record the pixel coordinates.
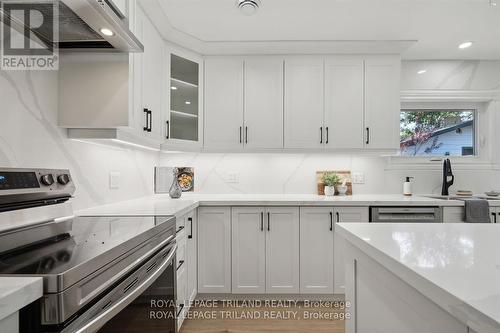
(330, 179)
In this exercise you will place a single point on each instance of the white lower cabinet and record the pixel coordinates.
(316, 250)
(248, 250)
(272, 250)
(344, 215)
(186, 264)
(214, 250)
(265, 250)
(192, 255)
(282, 250)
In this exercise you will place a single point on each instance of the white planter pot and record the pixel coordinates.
(329, 191)
(341, 189)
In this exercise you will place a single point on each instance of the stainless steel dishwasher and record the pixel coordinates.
(406, 214)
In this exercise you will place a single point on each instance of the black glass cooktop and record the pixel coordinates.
(96, 240)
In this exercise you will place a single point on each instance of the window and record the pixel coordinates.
(444, 132)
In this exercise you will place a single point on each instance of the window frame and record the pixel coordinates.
(474, 127)
(482, 138)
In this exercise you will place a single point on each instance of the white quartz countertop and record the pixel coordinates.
(455, 265)
(17, 292)
(162, 204)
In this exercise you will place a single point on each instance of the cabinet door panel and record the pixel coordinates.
(223, 103)
(316, 250)
(192, 254)
(214, 250)
(282, 250)
(382, 102)
(344, 102)
(152, 78)
(263, 103)
(248, 250)
(344, 215)
(304, 105)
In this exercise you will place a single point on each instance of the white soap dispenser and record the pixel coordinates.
(407, 187)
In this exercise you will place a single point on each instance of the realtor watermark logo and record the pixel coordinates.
(29, 34)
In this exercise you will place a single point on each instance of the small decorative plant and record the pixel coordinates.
(331, 179)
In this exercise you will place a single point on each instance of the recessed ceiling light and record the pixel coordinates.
(422, 71)
(107, 32)
(173, 87)
(465, 45)
(188, 102)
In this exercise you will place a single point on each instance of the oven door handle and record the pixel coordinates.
(129, 268)
(109, 312)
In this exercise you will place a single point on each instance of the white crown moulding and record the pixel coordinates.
(171, 34)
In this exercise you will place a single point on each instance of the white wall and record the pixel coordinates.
(295, 173)
(29, 137)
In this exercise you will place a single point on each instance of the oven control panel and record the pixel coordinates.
(34, 180)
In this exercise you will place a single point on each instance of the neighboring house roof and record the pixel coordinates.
(452, 128)
(447, 129)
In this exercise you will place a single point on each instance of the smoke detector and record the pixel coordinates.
(248, 7)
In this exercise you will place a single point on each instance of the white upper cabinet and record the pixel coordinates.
(304, 102)
(344, 102)
(153, 83)
(263, 110)
(184, 116)
(382, 102)
(223, 103)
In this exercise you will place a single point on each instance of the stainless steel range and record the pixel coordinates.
(99, 273)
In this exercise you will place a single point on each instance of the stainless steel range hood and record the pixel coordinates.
(81, 23)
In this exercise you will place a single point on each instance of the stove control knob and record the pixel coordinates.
(63, 179)
(47, 179)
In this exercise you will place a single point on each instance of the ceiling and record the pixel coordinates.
(435, 26)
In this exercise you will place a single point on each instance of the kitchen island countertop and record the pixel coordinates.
(456, 266)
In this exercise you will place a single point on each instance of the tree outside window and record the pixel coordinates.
(437, 132)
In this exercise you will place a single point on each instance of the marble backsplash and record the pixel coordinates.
(30, 137)
(275, 173)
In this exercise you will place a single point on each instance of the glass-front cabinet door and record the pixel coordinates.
(184, 123)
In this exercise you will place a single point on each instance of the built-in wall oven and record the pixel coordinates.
(100, 273)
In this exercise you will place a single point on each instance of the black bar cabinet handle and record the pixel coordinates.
(326, 135)
(494, 217)
(337, 215)
(246, 134)
(146, 112)
(168, 130)
(150, 126)
(261, 221)
(321, 134)
(331, 221)
(367, 135)
(240, 134)
(190, 220)
(268, 221)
